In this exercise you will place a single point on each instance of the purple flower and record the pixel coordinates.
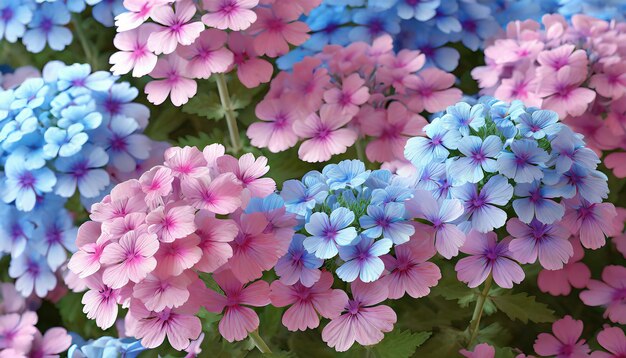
(388, 222)
(535, 202)
(479, 157)
(422, 150)
(488, 256)
(523, 162)
(123, 145)
(461, 117)
(56, 235)
(362, 260)
(568, 148)
(539, 124)
(591, 185)
(298, 264)
(82, 170)
(536, 240)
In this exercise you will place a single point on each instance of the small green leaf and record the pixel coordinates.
(399, 344)
(504, 352)
(524, 308)
(205, 104)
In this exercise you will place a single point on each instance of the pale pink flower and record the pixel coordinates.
(362, 321)
(100, 301)
(275, 132)
(307, 84)
(238, 320)
(171, 222)
(17, 331)
(12, 300)
(608, 293)
(124, 199)
(276, 28)
(207, 55)
(221, 195)
(156, 183)
(592, 222)
(409, 271)
(236, 15)
(563, 93)
(391, 132)
(158, 292)
(54, 342)
(551, 61)
(176, 29)
(249, 172)
(307, 302)
(574, 274)
(130, 259)
(172, 80)
(177, 256)
(215, 236)
(180, 325)
(116, 228)
(326, 137)
(352, 94)
(394, 68)
(186, 162)
(613, 340)
(482, 350)
(431, 91)
(508, 51)
(251, 70)
(86, 261)
(134, 54)
(564, 342)
(521, 86)
(138, 12)
(611, 82)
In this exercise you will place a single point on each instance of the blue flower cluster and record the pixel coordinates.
(602, 9)
(62, 135)
(104, 347)
(427, 25)
(491, 152)
(41, 22)
(346, 210)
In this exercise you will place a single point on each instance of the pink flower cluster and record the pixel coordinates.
(342, 94)
(18, 335)
(152, 241)
(190, 40)
(577, 70)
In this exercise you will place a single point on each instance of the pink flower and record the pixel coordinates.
(221, 195)
(17, 331)
(175, 81)
(591, 221)
(409, 271)
(134, 54)
(611, 82)
(207, 55)
(275, 132)
(616, 162)
(613, 340)
(395, 68)
(129, 259)
(238, 320)
(86, 261)
(574, 274)
(12, 300)
(488, 256)
(100, 301)
(249, 172)
(276, 28)
(352, 94)
(215, 236)
(327, 138)
(177, 27)
(362, 321)
(564, 95)
(551, 61)
(158, 292)
(609, 293)
(54, 342)
(251, 70)
(482, 350)
(431, 91)
(536, 240)
(138, 12)
(254, 250)
(508, 51)
(124, 199)
(179, 324)
(177, 256)
(564, 342)
(186, 162)
(308, 302)
(156, 183)
(522, 86)
(171, 222)
(236, 15)
(391, 132)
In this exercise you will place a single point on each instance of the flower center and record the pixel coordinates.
(27, 180)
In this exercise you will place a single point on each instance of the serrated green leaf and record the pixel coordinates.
(504, 352)
(445, 343)
(522, 307)
(399, 344)
(205, 104)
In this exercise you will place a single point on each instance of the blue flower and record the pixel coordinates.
(55, 236)
(23, 124)
(123, 145)
(422, 10)
(298, 264)
(105, 11)
(461, 117)
(32, 274)
(534, 201)
(80, 75)
(446, 17)
(105, 347)
(479, 157)
(23, 185)
(569, 148)
(523, 162)
(300, 199)
(118, 102)
(362, 260)
(46, 27)
(388, 222)
(327, 27)
(539, 124)
(390, 194)
(64, 142)
(328, 232)
(477, 24)
(348, 173)
(373, 24)
(430, 41)
(30, 149)
(17, 227)
(422, 150)
(83, 170)
(31, 93)
(84, 115)
(591, 185)
(14, 16)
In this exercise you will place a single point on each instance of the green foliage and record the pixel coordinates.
(522, 307)
(399, 344)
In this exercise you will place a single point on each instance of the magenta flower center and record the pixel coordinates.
(376, 26)
(228, 7)
(33, 268)
(46, 25)
(112, 106)
(353, 307)
(27, 180)
(274, 25)
(6, 14)
(118, 143)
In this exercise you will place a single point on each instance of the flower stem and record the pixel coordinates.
(259, 342)
(84, 43)
(229, 112)
(474, 326)
(360, 151)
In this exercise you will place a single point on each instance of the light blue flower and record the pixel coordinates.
(363, 260)
(390, 194)
(479, 157)
(372, 24)
(534, 202)
(569, 148)
(17, 227)
(23, 185)
(118, 102)
(64, 142)
(300, 199)
(431, 42)
(461, 117)
(422, 10)
(105, 11)
(446, 18)
(123, 145)
(32, 274)
(14, 16)
(47, 27)
(523, 161)
(539, 124)
(327, 24)
(328, 232)
(23, 124)
(477, 24)
(434, 147)
(82, 170)
(105, 347)
(591, 185)
(84, 115)
(79, 75)
(55, 235)
(348, 173)
(388, 222)
(31, 93)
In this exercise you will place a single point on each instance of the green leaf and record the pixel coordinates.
(205, 104)
(524, 308)
(445, 343)
(399, 344)
(504, 352)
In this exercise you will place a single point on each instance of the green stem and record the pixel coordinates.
(474, 327)
(360, 151)
(259, 342)
(84, 43)
(229, 111)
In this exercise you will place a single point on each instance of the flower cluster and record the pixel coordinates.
(573, 69)
(360, 216)
(195, 42)
(152, 241)
(343, 93)
(39, 23)
(105, 347)
(508, 164)
(67, 134)
(20, 337)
